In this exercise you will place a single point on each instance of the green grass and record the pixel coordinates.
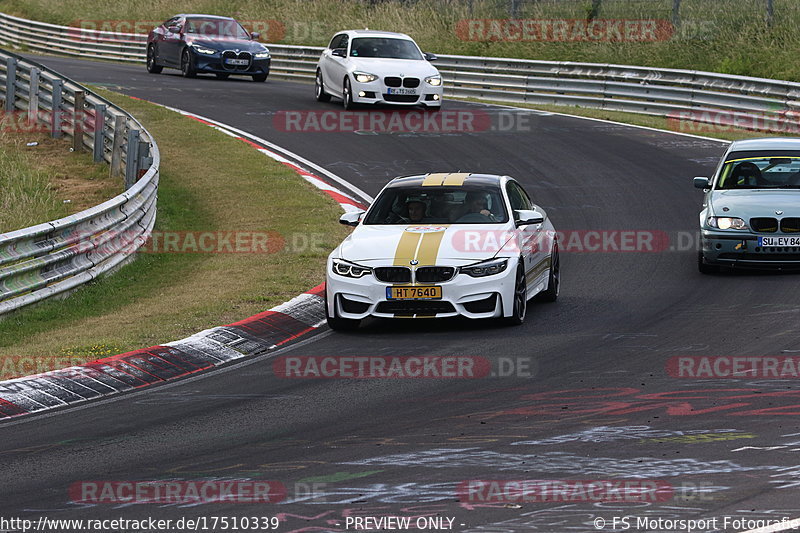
(47, 181)
(166, 296)
(26, 197)
(717, 35)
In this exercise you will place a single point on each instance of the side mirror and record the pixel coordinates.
(174, 29)
(352, 218)
(523, 217)
(701, 182)
(429, 57)
(339, 52)
(255, 36)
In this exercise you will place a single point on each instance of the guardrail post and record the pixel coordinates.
(78, 116)
(132, 159)
(594, 11)
(99, 131)
(116, 146)
(144, 158)
(770, 13)
(33, 97)
(11, 83)
(55, 129)
(676, 13)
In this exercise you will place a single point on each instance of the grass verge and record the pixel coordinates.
(167, 296)
(46, 181)
(728, 36)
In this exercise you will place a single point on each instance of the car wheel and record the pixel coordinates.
(550, 294)
(319, 89)
(433, 108)
(222, 75)
(152, 67)
(704, 267)
(520, 297)
(337, 323)
(187, 68)
(347, 95)
(260, 77)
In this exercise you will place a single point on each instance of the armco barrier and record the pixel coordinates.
(684, 94)
(55, 257)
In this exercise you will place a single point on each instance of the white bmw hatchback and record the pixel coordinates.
(377, 67)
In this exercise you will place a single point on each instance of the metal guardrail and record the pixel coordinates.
(67, 40)
(722, 99)
(58, 256)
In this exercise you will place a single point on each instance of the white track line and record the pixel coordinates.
(722, 141)
(341, 181)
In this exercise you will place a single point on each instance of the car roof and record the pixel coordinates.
(185, 15)
(448, 179)
(766, 143)
(375, 33)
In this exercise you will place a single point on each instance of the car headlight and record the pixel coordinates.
(262, 55)
(350, 270)
(204, 50)
(364, 77)
(434, 80)
(726, 223)
(485, 268)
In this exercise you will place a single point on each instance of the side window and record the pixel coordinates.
(339, 41)
(519, 199)
(335, 41)
(345, 41)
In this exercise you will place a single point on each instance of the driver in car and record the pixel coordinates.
(416, 210)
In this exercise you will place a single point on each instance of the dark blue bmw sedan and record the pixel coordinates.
(207, 43)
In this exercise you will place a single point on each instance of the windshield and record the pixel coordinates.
(440, 205)
(216, 28)
(767, 172)
(384, 47)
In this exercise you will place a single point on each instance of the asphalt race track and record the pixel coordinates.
(598, 400)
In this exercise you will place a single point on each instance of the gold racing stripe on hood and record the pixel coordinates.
(424, 247)
(407, 248)
(429, 248)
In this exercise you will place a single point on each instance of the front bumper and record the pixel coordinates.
(377, 92)
(214, 64)
(742, 251)
(485, 297)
